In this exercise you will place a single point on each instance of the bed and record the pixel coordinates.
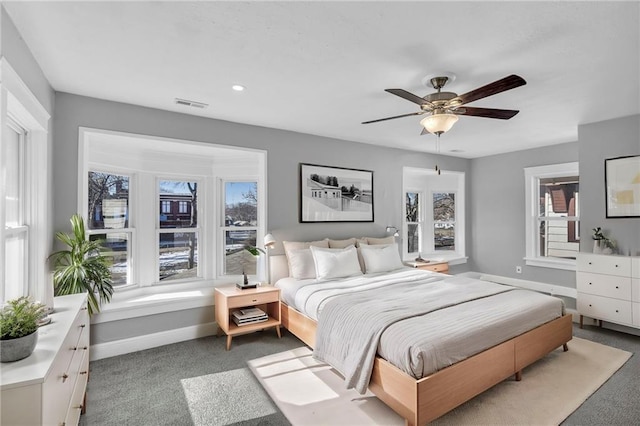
(422, 391)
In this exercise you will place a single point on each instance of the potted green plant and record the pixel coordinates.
(19, 328)
(82, 267)
(602, 244)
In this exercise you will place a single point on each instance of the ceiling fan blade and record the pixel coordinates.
(424, 132)
(507, 83)
(501, 114)
(408, 96)
(391, 118)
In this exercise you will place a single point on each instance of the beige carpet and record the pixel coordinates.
(311, 393)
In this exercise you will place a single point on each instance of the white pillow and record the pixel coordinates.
(381, 258)
(301, 264)
(336, 263)
(289, 246)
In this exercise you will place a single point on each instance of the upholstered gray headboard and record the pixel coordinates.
(278, 268)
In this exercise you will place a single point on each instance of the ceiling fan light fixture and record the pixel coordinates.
(439, 123)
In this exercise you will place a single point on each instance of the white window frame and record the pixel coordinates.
(19, 104)
(198, 230)
(532, 176)
(427, 181)
(146, 296)
(431, 232)
(419, 223)
(130, 230)
(223, 228)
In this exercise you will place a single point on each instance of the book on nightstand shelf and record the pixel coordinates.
(247, 316)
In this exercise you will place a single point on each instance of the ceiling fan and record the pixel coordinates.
(443, 108)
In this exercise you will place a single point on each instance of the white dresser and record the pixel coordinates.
(609, 288)
(48, 387)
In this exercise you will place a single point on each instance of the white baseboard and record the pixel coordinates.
(148, 341)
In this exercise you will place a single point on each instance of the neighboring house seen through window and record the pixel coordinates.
(553, 215)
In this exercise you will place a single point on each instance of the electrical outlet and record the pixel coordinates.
(518, 269)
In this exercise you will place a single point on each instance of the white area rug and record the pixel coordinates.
(311, 393)
(221, 398)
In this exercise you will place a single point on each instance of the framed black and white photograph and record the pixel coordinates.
(622, 185)
(335, 194)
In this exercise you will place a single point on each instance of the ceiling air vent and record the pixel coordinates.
(188, 103)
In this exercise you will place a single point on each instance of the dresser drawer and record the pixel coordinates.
(604, 285)
(59, 384)
(604, 264)
(77, 397)
(614, 310)
(253, 299)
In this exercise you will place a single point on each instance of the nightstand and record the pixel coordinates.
(231, 298)
(435, 266)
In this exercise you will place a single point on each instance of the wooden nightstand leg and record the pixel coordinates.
(278, 331)
(228, 342)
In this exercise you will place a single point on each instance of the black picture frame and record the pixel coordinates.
(335, 194)
(622, 186)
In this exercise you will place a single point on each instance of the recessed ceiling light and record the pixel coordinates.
(238, 87)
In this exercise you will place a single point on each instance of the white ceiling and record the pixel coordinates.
(322, 67)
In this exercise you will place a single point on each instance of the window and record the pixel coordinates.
(25, 238)
(240, 227)
(108, 221)
(16, 230)
(178, 233)
(553, 215)
(434, 215)
(160, 220)
(444, 221)
(413, 222)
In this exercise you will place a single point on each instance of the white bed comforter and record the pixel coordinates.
(417, 320)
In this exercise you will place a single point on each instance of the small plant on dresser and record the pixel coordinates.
(19, 328)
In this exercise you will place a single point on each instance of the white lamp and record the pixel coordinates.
(269, 241)
(439, 123)
(393, 229)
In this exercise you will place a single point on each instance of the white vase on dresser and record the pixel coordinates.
(609, 288)
(48, 387)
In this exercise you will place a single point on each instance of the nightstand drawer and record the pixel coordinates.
(438, 267)
(252, 299)
(618, 311)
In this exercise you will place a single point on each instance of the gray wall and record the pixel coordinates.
(285, 150)
(498, 213)
(598, 141)
(14, 49)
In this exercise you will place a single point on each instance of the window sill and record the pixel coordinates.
(154, 300)
(568, 265)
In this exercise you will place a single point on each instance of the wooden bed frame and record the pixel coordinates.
(420, 401)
